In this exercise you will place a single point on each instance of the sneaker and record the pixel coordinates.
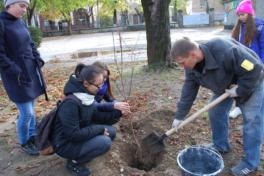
(77, 169)
(213, 147)
(29, 148)
(235, 112)
(242, 169)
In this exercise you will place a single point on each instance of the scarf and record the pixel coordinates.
(86, 99)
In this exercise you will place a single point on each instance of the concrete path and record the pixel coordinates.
(103, 43)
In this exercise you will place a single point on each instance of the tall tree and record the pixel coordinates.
(156, 13)
(61, 9)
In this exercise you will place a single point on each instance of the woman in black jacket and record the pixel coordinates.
(82, 133)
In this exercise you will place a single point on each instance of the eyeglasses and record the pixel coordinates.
(97, 86)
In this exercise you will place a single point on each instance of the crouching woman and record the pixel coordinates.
(82, 133)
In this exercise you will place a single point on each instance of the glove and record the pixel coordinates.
(232, 91)
(176, 123)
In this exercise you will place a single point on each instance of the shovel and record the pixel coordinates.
(153, 143)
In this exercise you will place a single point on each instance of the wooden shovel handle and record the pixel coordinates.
(196, 114)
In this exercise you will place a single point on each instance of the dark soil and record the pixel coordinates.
(153, 97)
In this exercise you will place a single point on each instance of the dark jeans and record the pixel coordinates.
(85, 151)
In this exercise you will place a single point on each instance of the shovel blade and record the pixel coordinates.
(153, 143)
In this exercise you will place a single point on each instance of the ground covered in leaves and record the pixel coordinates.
(152, 95)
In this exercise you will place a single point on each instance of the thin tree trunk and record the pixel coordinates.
(30, 12)
(69, 27)
(67, 17)
(93, 21)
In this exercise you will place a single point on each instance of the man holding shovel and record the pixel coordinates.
(224, 65)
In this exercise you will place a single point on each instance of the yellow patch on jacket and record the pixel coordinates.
(247, 65)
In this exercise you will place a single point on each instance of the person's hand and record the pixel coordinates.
(123, 107)
(106, 133)
(176, 123)
(232, 91)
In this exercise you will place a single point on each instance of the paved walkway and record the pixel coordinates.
(61, 47)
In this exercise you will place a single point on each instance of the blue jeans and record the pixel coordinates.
(26, 125)
(253, 121)
(90, 149)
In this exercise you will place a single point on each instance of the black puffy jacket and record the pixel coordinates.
(73, 121)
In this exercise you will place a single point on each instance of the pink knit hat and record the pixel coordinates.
(245, 6)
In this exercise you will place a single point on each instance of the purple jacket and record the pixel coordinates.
(257, 44)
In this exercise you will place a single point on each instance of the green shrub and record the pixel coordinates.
(106, 21)
(36, 35)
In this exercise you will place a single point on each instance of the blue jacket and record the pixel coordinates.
(226, 62)
(19, 61)
(257, 44)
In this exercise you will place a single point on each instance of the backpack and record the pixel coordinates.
(45, 127)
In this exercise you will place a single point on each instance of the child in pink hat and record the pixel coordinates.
(249, 31)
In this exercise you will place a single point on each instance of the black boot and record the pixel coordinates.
(32, 141)
(77, 169)
(29, 148)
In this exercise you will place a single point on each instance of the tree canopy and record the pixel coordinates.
(60, 9)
